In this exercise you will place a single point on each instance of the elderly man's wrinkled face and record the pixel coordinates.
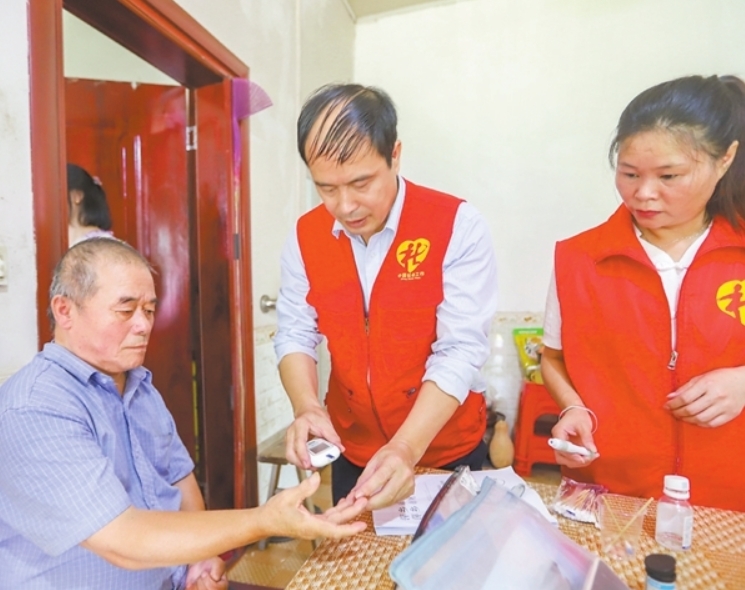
(111, 329)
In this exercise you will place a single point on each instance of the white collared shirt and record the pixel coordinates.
(464, 317)
(671, 274)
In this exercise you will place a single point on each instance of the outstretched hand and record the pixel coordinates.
(286, 514)
(711, 399)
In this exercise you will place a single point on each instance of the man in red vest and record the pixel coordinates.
(401, 280)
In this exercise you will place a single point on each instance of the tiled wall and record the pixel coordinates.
(273, 409)
(274, 412)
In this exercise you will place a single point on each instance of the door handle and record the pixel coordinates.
(267, 304)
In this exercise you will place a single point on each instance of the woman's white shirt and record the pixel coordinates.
(671, 273)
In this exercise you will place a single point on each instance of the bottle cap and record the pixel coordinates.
(678, 487)
(660, 567)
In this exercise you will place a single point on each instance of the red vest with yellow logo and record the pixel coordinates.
(617, 348)
(377, 363)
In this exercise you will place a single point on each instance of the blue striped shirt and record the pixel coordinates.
(75, 454)
(469, 277)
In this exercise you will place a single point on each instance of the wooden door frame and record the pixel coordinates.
(166, 36)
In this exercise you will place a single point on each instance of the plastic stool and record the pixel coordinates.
(273, 451)
(531, 446)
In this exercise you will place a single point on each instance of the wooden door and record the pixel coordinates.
(213, 254)
(167, 37)
(133, 137)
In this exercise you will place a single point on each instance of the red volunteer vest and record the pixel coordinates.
(377, 364)
(617, 347)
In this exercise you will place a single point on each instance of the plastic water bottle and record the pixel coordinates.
(674, 528)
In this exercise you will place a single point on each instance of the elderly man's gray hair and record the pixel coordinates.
(75, 274)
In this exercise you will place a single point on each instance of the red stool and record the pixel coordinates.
(531, 444)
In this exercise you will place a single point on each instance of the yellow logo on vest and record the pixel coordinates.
(410, 254)
(731, 299)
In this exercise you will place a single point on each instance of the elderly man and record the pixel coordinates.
(96, 488)
(401, 279)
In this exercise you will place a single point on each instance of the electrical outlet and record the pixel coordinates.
(3, 267)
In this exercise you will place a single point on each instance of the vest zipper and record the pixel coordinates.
(369, 376)
(672, 365)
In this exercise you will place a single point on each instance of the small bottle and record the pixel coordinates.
(674, 527)
(660, 572)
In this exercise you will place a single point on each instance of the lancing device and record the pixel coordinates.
(567, 447)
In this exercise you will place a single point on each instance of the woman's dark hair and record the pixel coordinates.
(94, 210)
(710, 112)
(361, 114)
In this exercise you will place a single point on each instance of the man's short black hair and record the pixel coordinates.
(357, 114)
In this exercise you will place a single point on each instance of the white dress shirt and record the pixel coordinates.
(469, 275)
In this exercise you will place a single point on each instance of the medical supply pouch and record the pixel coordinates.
(499, 542)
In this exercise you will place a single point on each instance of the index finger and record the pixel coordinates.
(338, 531)
(327, 432)
(206, 582)
(345, 510)
(687, 394)
(295, 449)
(386, 496)
(373, 478)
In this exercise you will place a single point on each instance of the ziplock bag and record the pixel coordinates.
(498, 542)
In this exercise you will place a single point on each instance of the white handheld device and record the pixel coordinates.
(321, 452)
(567, 447)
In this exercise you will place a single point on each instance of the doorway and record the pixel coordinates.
(185, 206)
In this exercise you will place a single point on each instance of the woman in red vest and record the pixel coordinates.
(645, 319)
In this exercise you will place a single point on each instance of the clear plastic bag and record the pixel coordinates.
(576, 500)
(498, 542)
(459, 489)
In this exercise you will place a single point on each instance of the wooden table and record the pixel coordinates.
(716, 560)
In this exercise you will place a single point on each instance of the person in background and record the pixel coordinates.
(401, 280)
(96, 488)
(89, 215)
(645, 318)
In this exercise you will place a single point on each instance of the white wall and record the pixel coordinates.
(291, 46)
(512, 105)
(92, 55)
(17, 299)
(326, 44)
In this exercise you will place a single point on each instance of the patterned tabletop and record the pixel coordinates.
(716, 560)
